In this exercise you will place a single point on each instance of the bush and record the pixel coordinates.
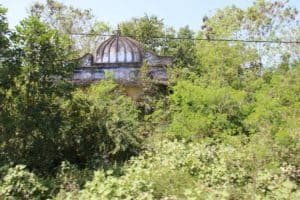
(18, 183)
(70, 180)
(100, 126)
(179, 170)
(200, 111)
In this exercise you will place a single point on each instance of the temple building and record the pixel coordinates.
(122, 57)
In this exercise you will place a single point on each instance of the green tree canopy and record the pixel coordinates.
(71, 20)
(32, 116)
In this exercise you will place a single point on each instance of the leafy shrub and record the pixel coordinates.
(206, 111)
(18, 183)
(179, 170)
(70, 180)
(100, 126)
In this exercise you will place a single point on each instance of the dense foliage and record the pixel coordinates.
(99, 125)
(197, 171)
(226, 126)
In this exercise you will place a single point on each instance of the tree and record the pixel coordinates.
(199, 112)
(147, 30)
(9, 69)
(100, 126)
(3, 31)
(8, 56)
(70, 20)
(264, 20)
(4, 45)
(32, 105)
(183, 50)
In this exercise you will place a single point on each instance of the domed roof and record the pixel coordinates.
(119, 49)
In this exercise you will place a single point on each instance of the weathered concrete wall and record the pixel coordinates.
(124, 73)
(91, 69)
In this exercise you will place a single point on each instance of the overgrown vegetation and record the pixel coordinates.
(226, 127)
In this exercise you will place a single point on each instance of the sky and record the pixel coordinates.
(176, 13)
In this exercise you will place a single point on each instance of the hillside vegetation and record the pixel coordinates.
(227, 126)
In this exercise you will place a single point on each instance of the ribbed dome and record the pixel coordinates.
(119, 49)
